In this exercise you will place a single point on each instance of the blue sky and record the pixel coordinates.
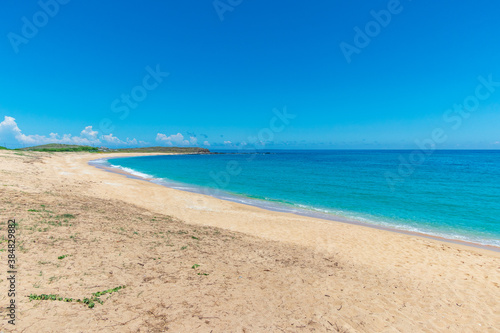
(233, 65)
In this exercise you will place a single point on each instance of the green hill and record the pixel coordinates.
(57, 147)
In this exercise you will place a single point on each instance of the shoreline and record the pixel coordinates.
(298, 211)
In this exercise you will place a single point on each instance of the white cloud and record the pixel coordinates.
(206, 143)
(89, 133)
(131, 142)
(10, 132)
(175, 140)
(111, 139)
(228, 143)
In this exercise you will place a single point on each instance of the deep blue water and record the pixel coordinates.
(454, 194)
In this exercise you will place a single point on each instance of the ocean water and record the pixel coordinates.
(452, 194)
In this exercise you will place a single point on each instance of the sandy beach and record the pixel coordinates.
(193, 263)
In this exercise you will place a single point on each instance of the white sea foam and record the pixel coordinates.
(356, 218)
(101, 161)
(132, 172)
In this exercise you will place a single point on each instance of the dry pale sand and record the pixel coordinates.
(259, 271)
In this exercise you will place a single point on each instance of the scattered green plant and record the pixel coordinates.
(53, 278)
(109, 291)
(90, 302)
(66, 216)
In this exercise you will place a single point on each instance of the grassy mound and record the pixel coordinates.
(56, 147)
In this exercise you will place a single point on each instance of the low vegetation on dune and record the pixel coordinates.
(56, 147)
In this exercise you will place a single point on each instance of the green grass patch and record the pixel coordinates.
(109, 291)
(66, 216)
(56, 147)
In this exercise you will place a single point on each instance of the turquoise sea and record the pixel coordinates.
(452, 194)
